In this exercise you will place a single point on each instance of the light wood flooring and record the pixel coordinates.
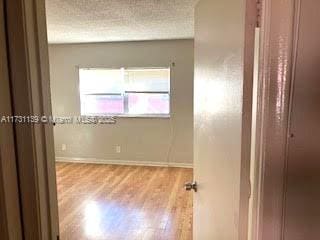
(113, 202)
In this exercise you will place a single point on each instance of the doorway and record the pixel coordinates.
(122, 103)
(224, 166)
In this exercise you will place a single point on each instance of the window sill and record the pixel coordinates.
(155, 116)
(143, 116)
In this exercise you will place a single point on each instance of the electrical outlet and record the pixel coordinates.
(118, 149)
(64, 147)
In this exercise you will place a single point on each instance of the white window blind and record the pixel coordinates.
(125, 92)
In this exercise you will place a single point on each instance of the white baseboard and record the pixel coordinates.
(122, 162)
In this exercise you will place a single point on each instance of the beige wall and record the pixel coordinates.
(141, 139)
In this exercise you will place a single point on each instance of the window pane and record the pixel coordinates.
(101, 81)
(147, 80)
(148, 103)
(101, 104)
(102, 91)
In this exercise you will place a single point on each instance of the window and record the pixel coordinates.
(125, 92)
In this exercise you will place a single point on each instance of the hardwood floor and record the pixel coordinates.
(112, 202)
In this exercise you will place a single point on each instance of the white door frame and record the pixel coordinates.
(249, 52)
(277, 40)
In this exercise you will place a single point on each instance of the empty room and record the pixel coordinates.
(159, 119)
(131, 119)
(121, 78)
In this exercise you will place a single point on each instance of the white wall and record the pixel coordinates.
(141, 139)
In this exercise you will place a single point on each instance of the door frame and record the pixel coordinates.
(279, 25)
(29, 83)
(29, 71)
(251, 20)
(10, 224)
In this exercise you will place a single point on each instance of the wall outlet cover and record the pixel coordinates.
(64, 147)
(118, 149)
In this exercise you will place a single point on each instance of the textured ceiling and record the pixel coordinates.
(75, 21)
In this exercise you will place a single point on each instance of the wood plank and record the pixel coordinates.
(123, 202)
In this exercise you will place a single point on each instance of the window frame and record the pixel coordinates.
(125, 95)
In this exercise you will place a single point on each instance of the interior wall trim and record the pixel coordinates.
(122, 162)
(274, 91)
(30, 93)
